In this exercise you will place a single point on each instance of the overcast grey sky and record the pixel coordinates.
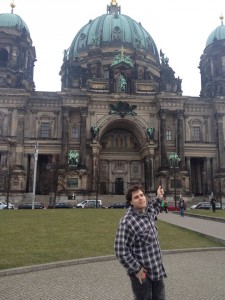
(179, 27)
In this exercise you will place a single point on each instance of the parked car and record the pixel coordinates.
(2, 205)
(37, 205)
(171, 206)
(60, 205)
(206, 205)
(89, 204)
(193, 206)
(118, 205)
(10, 206)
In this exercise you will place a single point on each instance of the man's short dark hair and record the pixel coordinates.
(132, 189)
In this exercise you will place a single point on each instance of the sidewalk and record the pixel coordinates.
(196, 275)
(208, 227)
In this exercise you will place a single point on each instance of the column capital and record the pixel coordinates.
(219, 116)
(162, 113)
(84, 112)
(180, 114)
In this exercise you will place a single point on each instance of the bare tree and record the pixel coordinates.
(100, 179)
(5, 182)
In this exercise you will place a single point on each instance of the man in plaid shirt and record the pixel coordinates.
(137, 245)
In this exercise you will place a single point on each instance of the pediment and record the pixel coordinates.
(122, 66)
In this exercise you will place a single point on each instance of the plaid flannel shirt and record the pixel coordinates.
(136, 243)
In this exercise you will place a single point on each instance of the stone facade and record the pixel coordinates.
(124, 132)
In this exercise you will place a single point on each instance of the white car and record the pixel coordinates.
(207, 205)
(10, 206)
(193, 206)
(89, 204)
(3, 205)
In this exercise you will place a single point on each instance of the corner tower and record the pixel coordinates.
(212, 64)
(17, 55)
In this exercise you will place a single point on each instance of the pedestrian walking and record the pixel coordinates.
(182, 206)
(137, 246)
(162, 206)
(213, 203)
(166, 207)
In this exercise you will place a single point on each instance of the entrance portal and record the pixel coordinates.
(119, 186)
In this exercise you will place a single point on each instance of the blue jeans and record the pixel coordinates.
(148, 290)
(182, 211)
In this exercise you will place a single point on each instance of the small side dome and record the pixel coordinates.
(217, 34)
(17, 55)
(11, 20)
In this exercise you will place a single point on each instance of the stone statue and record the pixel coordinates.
(151, 133)
(122, 83)
(73, 158)
(94, 131)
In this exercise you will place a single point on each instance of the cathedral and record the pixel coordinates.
(119, 119)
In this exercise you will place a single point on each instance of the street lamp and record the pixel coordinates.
(174, 163)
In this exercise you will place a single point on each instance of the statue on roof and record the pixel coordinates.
(122, 83)
(122, 58)
(95, 40)
(94, 131)
(73, 158)
(151, 133)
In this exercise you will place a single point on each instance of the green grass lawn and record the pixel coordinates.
(220, 213)
(30, 237)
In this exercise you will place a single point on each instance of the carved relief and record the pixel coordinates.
(119, 167)
(119, 139)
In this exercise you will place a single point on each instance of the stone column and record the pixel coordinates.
(9, 122)
(95, 162)
(189, 171)
(20, 136)
(163, 137)
(206, 131)
(220, 140)
(65, 133)
(31, 173)
(149, 166)
(83, 135)
(148, 174)
(208, 176)
(180, 137)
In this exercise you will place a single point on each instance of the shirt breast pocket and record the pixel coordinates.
(145, 236)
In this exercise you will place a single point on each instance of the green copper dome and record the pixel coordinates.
(12, 21)
(217, 34)
(112, 29)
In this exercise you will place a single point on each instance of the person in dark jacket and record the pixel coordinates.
(182, 206)
(213, 203)
(137, 246)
